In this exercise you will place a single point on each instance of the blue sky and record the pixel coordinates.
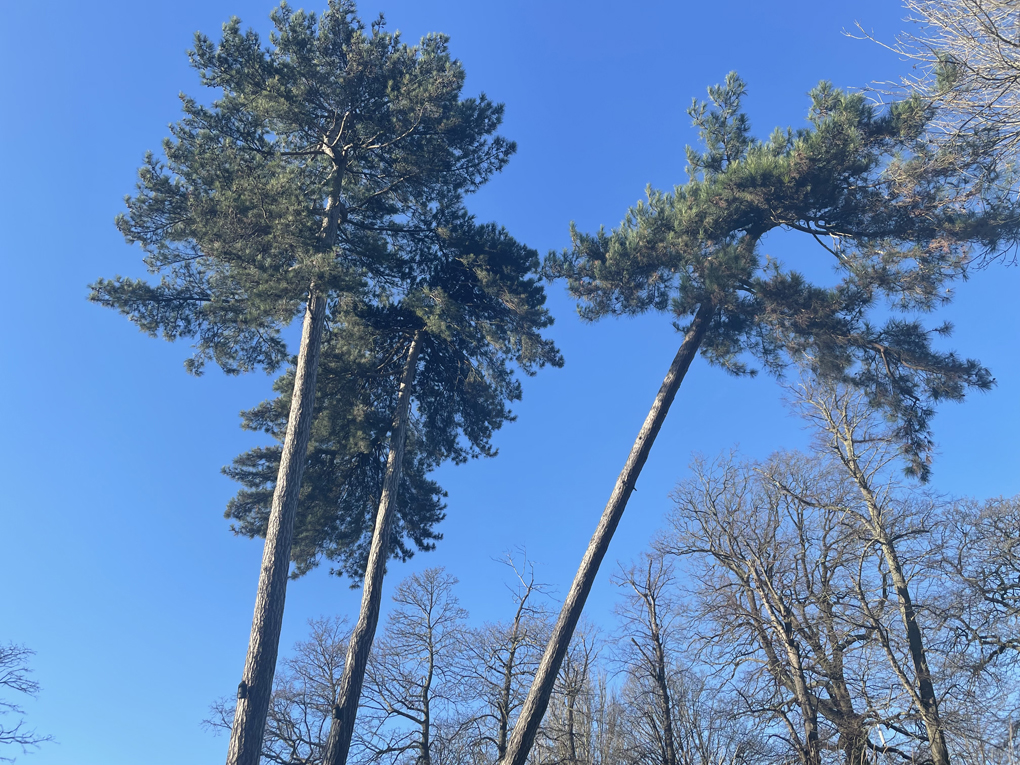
(116, 564)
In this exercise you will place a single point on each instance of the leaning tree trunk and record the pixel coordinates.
(341, 728)
(255, 690)
(541, 687)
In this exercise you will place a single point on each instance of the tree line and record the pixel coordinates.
(327, 180)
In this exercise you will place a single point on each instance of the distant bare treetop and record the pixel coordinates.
(966, 56)
(15, 675)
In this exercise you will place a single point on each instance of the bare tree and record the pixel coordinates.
(814, 591)
(504, 656)
(708, 721)
(647, 617)
(15, 675)
(568, 736)
(611, 739)
(766, 570)
(967, 56)
(983, 558)
(672, 714)
(866, 449)
(413, 683)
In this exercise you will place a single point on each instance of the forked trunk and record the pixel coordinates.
(341, 727)
(541, 687)
(255, 690)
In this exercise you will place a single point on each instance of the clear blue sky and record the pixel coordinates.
(116, 565)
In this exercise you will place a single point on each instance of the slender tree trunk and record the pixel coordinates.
(669, 748)
(425, 750)
(541, 688)
(255, 690)
(341, 728)
(927, 701)
(506, 691)
(915, 642)
(571, 742)
(256, 687)
(657, 666)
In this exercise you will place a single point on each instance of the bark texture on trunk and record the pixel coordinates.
(255, 690)
(256, 687)
(341, 728)
(541, 688)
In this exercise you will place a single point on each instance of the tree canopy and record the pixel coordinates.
(898, 229)
(481, 310)
(303, 170)
(861, 182)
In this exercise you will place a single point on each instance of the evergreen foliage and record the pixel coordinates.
(474, 296)
(898, 226)
(863, 184)
(235, 219)
(329, 117)
(328, 172)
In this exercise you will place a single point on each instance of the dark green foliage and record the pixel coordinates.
(862, 183)
(475, 296)
(335, 160)
(234, 220)
(470, 289)
(340, 493)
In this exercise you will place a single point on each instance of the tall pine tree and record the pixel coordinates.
(438, 381)
(297, 186)
(863, 184)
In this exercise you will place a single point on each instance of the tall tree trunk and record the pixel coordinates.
(341, 728)
(541, 688)
(842, 424)
(255, 690)
(503, 706)
(256, 686)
